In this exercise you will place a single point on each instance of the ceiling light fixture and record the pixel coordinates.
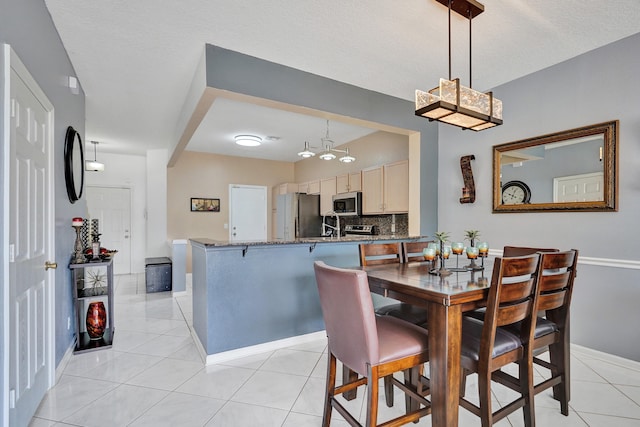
(453, 103)
(248, 140)
(328, 147)
(94, 165)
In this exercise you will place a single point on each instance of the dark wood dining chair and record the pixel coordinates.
(510, 251)
(551, 332)
(412, 251)
(371, 346)
(487, 346)
(391, 253)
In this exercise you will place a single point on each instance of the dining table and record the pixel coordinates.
(446, 296)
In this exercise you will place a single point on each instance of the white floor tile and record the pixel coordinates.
(241, 415)
(123, 367)
(602, 399)
(218, 382)
(271, 389)
(177, 409)
(168, 374)
(118, 407)
(187, 352)
(162, 345)
(595, 420)
(291, 362)
(250, 362)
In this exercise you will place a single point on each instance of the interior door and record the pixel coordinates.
(247, 213)
(111, 206)
(31, 237)
(579, 188)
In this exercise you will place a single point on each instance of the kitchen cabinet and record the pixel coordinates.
(385, 189)
(327, 191)
(92, 283)
(314, 187)
(348, 182)
(303, 188)
(287, 188)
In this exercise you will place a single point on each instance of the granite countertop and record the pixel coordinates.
(305, 240)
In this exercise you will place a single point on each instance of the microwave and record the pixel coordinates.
(348, 204)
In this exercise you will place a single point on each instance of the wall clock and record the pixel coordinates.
(515, 193)
(73, 164)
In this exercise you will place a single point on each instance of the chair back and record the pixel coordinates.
(510, 251)
(348, 315)
(412, 251)
(380, 253)
(556, 279)
(512, 299)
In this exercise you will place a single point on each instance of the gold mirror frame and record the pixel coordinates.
(609, 131)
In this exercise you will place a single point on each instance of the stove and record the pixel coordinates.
(360, 230)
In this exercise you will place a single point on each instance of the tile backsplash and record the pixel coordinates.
(383, 222)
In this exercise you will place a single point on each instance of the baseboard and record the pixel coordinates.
(225, 356)
(606, 357)
(178, 293)
(64, 361)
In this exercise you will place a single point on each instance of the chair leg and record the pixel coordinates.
(484, 394)
(372, 396)
(559, 359)
(412, 380)
(349, 376)
(330, 388)
(525, 375)
(463, 381)
(388, 390)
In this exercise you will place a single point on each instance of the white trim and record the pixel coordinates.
(178, 293)
(66, 358)
(606, 357)
(225, 356)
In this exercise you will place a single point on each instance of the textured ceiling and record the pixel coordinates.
(135, 59)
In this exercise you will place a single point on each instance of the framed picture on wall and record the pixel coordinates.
(205, 205)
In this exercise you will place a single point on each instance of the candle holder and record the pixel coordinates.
(472, 254)
(78, 256)
(457, 249)
(483, 252)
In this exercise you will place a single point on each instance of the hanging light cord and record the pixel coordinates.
(449, 39)
(470, 19)
(95, 152)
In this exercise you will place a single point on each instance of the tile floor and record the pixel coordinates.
(154, 376)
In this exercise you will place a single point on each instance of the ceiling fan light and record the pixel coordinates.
(347, 158)
(306, 153)
(327, 155)
(248, 140)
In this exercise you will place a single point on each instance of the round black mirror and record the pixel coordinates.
(73, 164)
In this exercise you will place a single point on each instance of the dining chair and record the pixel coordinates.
(372, 346)
(412, 251)
(391, 253)
(487, 346)
(510, 251)
(551, 332)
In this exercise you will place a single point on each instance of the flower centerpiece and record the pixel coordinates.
(472, 235)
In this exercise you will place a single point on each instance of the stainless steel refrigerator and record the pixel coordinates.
(298, 215)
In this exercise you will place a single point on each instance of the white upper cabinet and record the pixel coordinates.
(385, 189)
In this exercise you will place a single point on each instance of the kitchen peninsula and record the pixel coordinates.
(247, 294)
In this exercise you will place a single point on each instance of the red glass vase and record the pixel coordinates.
(96, 320)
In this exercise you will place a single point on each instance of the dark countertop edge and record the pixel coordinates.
(200, 241)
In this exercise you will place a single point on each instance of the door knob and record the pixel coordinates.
(49, 264)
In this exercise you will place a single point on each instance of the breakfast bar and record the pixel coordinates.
(250, 293)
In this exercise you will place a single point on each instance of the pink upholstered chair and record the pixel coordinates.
(372, 346)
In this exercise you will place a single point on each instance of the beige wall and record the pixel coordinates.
(209, 175)
(375, 149)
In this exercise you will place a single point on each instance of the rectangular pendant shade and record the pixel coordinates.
(460, 106)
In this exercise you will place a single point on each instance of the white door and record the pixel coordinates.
(112, 208)
(588, 187)
(31, 237)
(247, 213)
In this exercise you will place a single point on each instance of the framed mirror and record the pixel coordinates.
(572, 170)
(73, 164)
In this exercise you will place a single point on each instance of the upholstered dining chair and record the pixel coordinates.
(487, 346)
(390, 253)
(551, 332)
(372, 346)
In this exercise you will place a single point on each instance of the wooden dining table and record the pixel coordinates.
(446, 297)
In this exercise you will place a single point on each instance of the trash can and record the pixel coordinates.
(157, 273)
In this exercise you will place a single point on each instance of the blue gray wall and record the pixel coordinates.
(27, 26)
(595, 87)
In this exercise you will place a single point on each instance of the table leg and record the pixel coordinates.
(445, 334)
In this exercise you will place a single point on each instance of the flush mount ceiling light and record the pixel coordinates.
(94, 165)
(328, 150)
(248, 140)
(453, 103)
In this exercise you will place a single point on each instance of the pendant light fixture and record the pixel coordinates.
(328, 150)
(94, 165)
(453, 103)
